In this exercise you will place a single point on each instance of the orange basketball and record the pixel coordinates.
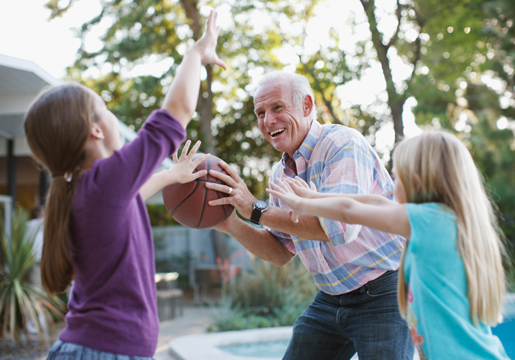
(188, 203)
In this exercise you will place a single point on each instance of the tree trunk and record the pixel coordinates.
(205, 111)
(395, 101)
(398, 125)
(205, 98)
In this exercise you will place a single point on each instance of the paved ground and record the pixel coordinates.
(195, 320)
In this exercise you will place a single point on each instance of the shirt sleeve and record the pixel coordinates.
(345, 170)
(120, 176)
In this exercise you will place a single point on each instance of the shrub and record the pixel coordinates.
(267, 296)
(20, 300)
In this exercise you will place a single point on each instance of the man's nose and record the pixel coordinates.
(269, 119)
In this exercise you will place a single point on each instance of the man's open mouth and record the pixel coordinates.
(276, 132)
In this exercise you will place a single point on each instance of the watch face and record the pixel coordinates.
(261, 205)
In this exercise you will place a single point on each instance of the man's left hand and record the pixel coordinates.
(239, 197)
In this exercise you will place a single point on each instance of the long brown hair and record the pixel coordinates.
(447, 174)
(57, 126)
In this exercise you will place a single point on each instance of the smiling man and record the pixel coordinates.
(354, 267)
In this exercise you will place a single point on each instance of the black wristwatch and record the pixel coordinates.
(260, 207)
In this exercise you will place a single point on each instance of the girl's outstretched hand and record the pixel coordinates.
(183, 168)
(301, 188)
(285, 193)
(206, 45)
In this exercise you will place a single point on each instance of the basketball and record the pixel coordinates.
(188, 203)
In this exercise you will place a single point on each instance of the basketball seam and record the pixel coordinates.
(205, 197)
(186, 198)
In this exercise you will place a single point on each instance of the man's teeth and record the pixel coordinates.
(277, 131)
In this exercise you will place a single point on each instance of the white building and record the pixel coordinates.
(20, 177)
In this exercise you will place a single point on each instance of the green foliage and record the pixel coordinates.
(159, 216)
(267, 296)
(510, 279)
(20, 300)
(449, 46)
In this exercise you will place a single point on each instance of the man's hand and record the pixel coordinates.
(239, 197)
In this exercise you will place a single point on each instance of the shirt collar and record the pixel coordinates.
(306, 148)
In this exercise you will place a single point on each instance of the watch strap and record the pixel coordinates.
(256, 216)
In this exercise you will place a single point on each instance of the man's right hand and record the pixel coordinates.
(239, 197)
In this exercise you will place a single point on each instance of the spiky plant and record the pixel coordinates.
(20, 300)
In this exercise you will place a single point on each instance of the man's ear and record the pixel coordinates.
(307, 105)
(96, 132)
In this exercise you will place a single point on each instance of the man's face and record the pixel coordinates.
(283, 125)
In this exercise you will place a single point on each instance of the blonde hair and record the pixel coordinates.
(437, 167)
(57, 126)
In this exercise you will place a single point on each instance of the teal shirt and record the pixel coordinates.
(438, 305)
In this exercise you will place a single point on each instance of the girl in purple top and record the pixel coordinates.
(97, 231)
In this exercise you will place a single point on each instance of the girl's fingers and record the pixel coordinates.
(221, 63)
(295, 187)
(299, 182)
(275, 187)
(279, 186)
(199, 174)
(211, 20)
(200, 160)
(274, 193)
(312, 186)
(194, 150)
(174, 157)
(288, 187)
(185, 149)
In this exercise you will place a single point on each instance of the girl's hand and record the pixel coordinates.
(285, 193)
(182, 170)
(206, 45)
(301, 188)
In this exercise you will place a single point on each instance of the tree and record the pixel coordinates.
(436, 39)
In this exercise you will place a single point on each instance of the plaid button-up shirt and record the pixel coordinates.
(338, 159)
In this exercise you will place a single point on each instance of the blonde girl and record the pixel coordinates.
(453, 283)
(97, 230)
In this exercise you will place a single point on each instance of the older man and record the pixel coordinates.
(354, 267)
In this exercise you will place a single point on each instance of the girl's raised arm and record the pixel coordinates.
(384, 216)
(181, 99)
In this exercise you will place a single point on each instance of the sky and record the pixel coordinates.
(26, 32)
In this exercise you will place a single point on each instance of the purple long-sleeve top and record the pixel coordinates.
(113, 304)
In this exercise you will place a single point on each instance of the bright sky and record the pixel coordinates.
(26, 33)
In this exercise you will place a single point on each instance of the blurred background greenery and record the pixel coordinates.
(445, 64)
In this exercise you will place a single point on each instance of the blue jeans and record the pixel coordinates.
(366, 320)
(68, 351)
